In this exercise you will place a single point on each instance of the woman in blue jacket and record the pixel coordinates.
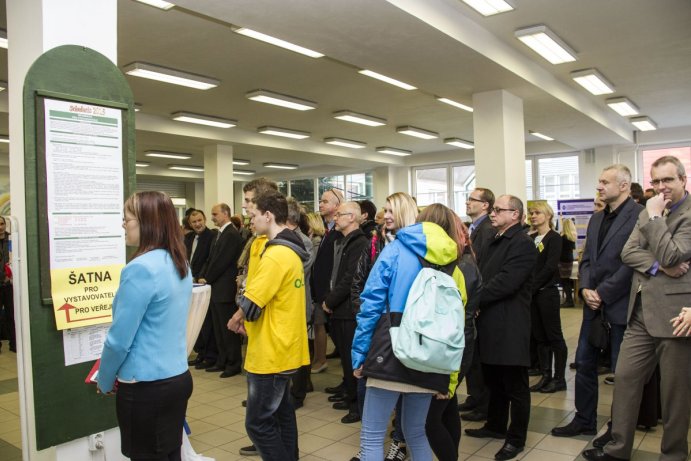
(145, 351)
(388, 284)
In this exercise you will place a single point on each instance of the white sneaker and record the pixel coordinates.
(357, 457)
(397, 451)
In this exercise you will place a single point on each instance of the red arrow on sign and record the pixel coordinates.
(66, 307)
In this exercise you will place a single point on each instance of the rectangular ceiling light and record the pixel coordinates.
(3, 38)
(203, 120)
(593, 81)
(158, 4)
(455, 104)
(284, 132)
(239, 161)
(282, 100)
(281, 166)
(345, 143)
(394, 151)
(458, 142)
(546, 43)
(417, 132)
(643, 123)
(244, 172)
(363, 119)
(186, 168)
(622, 106)
(490, 7)
(540, 135)
(162, 154)
(389, 80)
(5, 139)
(142, 164)
(278, 42)
(176, 77)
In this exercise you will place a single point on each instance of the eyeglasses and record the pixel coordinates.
(338, 215)
(665, 181)
(498, 210)
(473, 199)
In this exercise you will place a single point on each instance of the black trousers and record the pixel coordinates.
(206, 341)
(508, 393)
(151, 416)
(229, 343)
(546, 329)
(443, 428)
(342, 333)
(475, 381)
(7, 303)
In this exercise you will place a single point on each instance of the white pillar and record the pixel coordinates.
(34, 27)
(499, 142)
(218, 176)
(389, 179)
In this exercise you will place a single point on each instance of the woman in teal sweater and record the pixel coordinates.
(145, 351)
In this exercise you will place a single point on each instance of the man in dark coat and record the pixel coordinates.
(504, 327)
(197, 245)
(220, 272)
(347, 251)
(605, 282)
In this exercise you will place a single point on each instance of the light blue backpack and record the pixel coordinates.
(430, 338)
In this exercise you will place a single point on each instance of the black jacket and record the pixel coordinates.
(546, 272)
(473, 289)
(482, 235)
(365, 262)
(507, 275)
(221, 268)
(201, 254)
(347, 252)
(322, 267)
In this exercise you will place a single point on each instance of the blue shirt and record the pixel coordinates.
(147, 340)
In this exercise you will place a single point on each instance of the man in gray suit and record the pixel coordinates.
(658, 250)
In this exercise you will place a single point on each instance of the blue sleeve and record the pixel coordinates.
(374, 299)
(134, 294)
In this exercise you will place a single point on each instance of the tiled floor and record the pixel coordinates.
(216, 418)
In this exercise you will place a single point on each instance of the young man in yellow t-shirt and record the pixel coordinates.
(272, 315)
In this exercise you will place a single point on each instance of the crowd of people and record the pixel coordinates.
(293, 278)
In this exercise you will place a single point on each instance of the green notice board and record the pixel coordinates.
(65, 407)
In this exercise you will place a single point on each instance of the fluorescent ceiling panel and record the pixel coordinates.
(5, 139)
(623, 106)
(345, 143)
(459, 105)
(278, 42)
(417, 132)
(244, 172)
(283, 132)
(239, 161)
(389, 80)
(277, 99)
(643, 123)
(142, 164)
(281, 166)
(162, 154)
(200, 119)
(541, 136)
(490, 7)
(394, 151)
(593, 81)
(176, 77)
(3, 38)
(546, 43)
(458, 142)
(186, 168)
(158, 4)
(362, 119)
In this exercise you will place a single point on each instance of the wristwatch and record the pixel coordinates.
(653, 218)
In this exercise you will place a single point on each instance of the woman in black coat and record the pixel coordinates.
(545, 318)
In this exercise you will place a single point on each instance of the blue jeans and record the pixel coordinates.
(270, 417)
(586, 372)
(379, 403)
(362, 392)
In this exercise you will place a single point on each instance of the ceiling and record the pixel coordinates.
(443, 47)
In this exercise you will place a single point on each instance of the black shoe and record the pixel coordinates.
(573, 429)
(203, 365)
(475, 415)
(337, 397)
(534, 372)
(609, 380)
(604, 370)
(567, 303)
(298, 403)
(595, 454)
(468, 405)
(604, 439)
(199, 359)
(214, 369)
(555, 385)
(351, 417)
(508, 451)
(342, 405)
(249, 451)
(484, 433)
(333, 355)
(573, 366)
(546, 379)
(334, 390)
(244, 403)
(229, 373)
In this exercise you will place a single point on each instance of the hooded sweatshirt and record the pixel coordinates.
(389, 283)
(274, 306)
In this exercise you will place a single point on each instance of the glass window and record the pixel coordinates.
(282, 187)
(431, 186)
(303, 191)
(649, 157)
(463, 185)
(558, 179)
(358, 186)
(529, 179)
(331, 182)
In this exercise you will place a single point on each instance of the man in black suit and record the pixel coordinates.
(605, 282)
(504, 327)
(198, 243)
(478, 205)
(220, 272)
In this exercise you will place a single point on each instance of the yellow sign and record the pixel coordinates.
(84, 296)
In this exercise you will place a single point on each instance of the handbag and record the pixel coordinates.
(598, 336)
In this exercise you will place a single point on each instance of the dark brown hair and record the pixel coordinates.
(158, 226)
(276, 203)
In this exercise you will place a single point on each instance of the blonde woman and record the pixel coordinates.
(568, 245)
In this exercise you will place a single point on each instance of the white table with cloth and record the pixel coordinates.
(199, 304)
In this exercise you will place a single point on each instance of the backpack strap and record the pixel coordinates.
(447, 268)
